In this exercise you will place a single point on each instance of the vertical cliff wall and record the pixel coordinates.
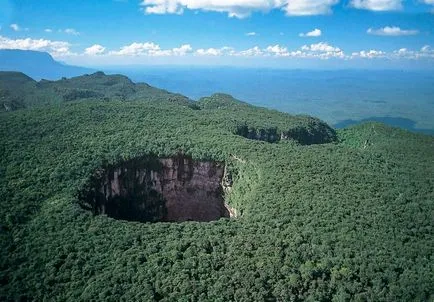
(159, 189)
(314, 132)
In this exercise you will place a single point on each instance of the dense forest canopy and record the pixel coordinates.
(28, 92)
(322, 215)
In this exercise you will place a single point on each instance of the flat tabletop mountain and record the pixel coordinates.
(37, 64)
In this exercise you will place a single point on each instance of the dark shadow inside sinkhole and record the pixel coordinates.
(152, 189)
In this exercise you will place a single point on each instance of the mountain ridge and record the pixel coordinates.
(18, 90)
(37, 64)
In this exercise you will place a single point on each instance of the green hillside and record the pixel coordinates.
(18, 90)
(320, 215)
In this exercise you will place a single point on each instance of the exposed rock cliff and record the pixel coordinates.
(266, 125)
(270, 135)
(314, 132)
(160, 189)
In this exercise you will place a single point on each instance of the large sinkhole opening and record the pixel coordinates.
(152, 189)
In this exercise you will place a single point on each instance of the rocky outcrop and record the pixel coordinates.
(160, 189)
(314, 133)
(270, 135)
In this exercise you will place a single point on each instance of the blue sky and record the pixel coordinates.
(276, 33)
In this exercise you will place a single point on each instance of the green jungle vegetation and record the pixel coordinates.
(323, 215)
(17, 90)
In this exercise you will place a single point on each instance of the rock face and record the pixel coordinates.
(316, 132)
(159, 189)
(270, 135)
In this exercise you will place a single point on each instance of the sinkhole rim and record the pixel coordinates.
(154, 188)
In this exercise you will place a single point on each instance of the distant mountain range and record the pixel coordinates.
(342, 98)
(38, 65)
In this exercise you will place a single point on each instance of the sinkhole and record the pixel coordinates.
(153, 189)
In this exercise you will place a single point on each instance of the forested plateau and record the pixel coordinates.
(117, 191)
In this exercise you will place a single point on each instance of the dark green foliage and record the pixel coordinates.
(10, 102)
(348, 221)
(14, 80)
(11, 84)
(21, 91)
(77, 94)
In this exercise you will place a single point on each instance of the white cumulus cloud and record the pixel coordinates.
(48, 30)
(240, 8)
(377, 5)
(320, 50)
(369, 54)
(309, 7)
(251, 52)
(314, 33)
(426, 52)
(277, 50)
(392, 31)
(71, 31)
(136, 49)
(94, 50)
(56, 48)
(250, 34)
(426, 48)
(400, 54)
(215, 51)
(322, 46)
(151, 49)
(15, 27)
(182, 50)
(208, 52)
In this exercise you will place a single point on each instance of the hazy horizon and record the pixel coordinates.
(285, 34)
(335, 96)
